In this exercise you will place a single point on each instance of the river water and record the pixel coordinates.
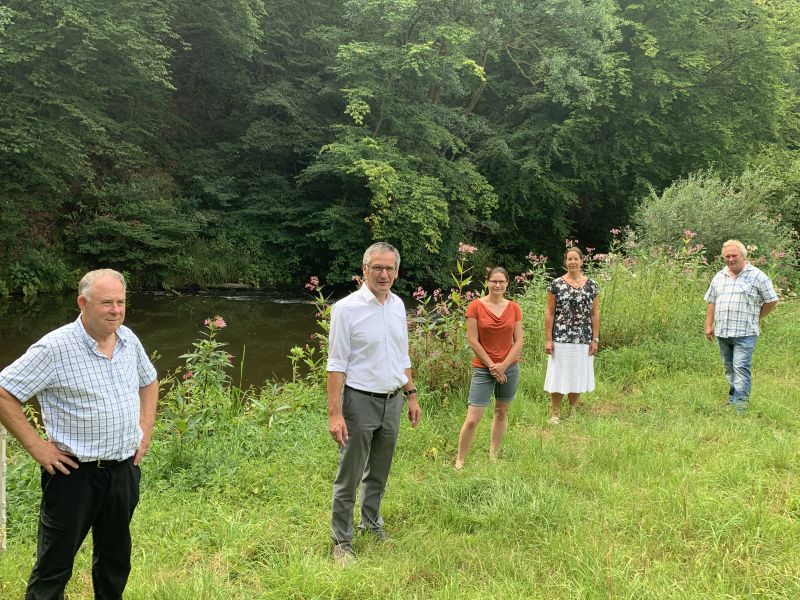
(260, 327)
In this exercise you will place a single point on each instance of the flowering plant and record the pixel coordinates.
(207, 363)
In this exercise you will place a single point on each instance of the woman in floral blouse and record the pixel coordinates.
(572, 330)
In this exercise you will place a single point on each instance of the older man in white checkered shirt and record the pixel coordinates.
(98, 393)
(739, 296)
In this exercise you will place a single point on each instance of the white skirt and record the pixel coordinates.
(570, 369)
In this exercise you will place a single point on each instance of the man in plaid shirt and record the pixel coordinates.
(98, 393)
(739, 296)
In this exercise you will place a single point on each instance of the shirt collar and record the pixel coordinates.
(91, 342)
(368, 296)
(729, 273)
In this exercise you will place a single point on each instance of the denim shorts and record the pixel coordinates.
(483, 384)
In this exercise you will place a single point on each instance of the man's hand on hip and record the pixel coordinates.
(52, 459)
(338, 430)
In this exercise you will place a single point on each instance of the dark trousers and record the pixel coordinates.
(91, 497)
(373, 425)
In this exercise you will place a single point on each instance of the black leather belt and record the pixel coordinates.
(101, 463)
(383, 395)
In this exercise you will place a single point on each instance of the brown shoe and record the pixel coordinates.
(343, 554)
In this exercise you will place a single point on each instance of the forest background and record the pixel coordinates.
(190, 143)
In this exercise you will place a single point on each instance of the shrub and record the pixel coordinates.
(716, 210)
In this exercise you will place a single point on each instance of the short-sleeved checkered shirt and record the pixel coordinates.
(90, 403)
(737, 300)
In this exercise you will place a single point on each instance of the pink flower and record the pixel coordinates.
(437, 294)
(419, 294)
(469, 296)
(215, 322)
(313, 283)
(615, 231)
(589, 250)
(777, 254)
(466, 248)
(520, 279)
(689, 234)
(187, 375)
(536, 259)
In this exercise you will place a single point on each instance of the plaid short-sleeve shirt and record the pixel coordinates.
(737, 300)
(90, 403)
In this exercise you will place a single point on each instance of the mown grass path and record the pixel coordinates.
(654, 489)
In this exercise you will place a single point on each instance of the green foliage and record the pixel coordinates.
(437, 333)
(403, 204)
(313, 358)
(648, 296)
(36, 271)
(136, 222)
(710, 210)
(652, 489)
(256, 141)
(199, 399)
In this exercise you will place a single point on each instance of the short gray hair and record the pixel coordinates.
(738, 244)
(87, 281)
(380, 247)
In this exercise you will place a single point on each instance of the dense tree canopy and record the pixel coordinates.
(260, 141)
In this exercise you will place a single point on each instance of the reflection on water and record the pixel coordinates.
(263, 327)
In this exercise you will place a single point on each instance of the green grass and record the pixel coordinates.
(654, 489)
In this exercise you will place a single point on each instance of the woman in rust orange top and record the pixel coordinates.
(494, 331)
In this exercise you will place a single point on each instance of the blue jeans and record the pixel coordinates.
(737, 359)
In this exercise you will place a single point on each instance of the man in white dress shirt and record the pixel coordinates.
(369, 372)
(98, 393)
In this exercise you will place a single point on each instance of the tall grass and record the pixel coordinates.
(653, 489)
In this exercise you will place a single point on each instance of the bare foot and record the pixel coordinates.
(493, 456)
(459, 465)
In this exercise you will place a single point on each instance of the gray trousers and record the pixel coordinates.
(373, 425)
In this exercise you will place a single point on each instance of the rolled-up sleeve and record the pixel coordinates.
(338, 340)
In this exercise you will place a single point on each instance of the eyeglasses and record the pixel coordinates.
(378, 269)
(498, 282)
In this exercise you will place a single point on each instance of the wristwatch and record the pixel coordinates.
(596, 340)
